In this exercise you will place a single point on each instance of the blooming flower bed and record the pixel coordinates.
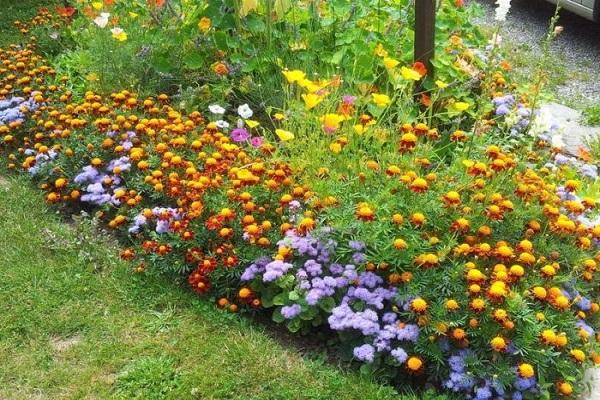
(445, 239)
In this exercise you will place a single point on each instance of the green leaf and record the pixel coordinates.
(255, 23)
(162, 63)
(327, 304)
(338, 55)
(193, 60)
(280, 299)
(294, 325)
(221, 40)
(277, 317)
(294, 296)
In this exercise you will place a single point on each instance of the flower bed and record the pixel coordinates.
(445, 239)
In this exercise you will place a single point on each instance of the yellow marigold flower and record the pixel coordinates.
(526, 370)
(414, 363)
(452, 305)
(419, 305)
(548, 336)
(539, 292)
(578, 355)
(498, 344)
(564, 388)
(97, 5)
(400, 244)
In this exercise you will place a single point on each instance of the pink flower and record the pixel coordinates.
(256, 141)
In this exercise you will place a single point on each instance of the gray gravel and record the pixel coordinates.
(576, 50)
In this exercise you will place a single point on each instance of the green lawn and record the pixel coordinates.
(76, 322)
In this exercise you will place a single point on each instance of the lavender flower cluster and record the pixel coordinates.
(363, 300)
(101, 184)
(41, 159)
(13, 109)
(460, 380)
(517, 115)
(165, 216)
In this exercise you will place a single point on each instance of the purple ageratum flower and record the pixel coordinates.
(95, 188)
(365, 353)
(456, 363)
(162, 226)
(399, 355)
(275, 270)
(483, 393)
(122, 163)
(561, 159)
(369, 280)
(87, 174)
(239, 135)
(582, 325)
(589, 171)
(356, 245)
(359, 258)
(584, 304)
(517, 396)
(344, 318)
(336, 269)
(408, 332)
(389, 318)
(313, 268)
(290, 312)
(522, 384)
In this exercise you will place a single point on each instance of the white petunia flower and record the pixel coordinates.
(502, 9)
(244, 111)
(216, 109)
(222, 124)
(102, 20)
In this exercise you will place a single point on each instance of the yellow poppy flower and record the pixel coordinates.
(311, 100)
(381, 100)
(331, 122)
(294, 76)
(283, 135)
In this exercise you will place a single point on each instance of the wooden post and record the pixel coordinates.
(425, 33)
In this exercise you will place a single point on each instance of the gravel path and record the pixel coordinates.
(577, 49)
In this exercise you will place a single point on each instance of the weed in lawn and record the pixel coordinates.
(148, 378)
(592, 115)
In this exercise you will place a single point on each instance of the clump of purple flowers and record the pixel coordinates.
(362, 300)
(165, 216)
